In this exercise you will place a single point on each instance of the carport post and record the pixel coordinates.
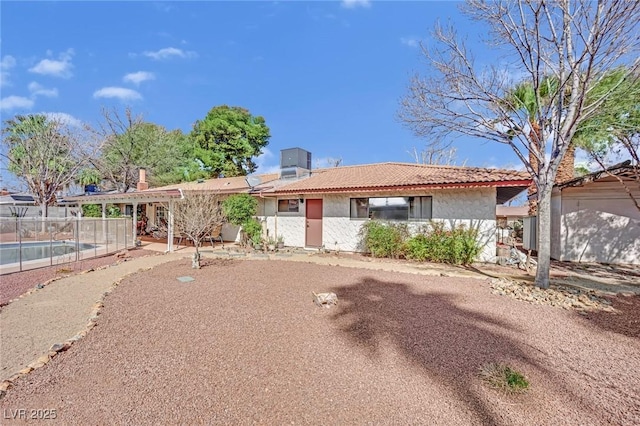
(170, 228)
(134, 217)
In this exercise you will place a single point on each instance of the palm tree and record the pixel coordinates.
(523, 99)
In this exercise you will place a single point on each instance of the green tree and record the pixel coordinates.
(529, 102)
(228, 139)
(45, 154)
(239, 210)
(613, 133)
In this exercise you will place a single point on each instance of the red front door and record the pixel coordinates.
(314, 223)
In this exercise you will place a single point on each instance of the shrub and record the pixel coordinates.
(113, 211)
(503, 377)
(95, 210)
(384, 239)
(458, 245)
(91, 210)
(239, 208)
(253, 229)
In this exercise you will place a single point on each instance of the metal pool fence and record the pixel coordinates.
(29, 243)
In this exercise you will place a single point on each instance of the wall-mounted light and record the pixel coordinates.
(301, 200)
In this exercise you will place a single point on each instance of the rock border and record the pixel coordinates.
(556, 296)
(56, 348)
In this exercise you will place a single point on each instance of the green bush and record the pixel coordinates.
(239, 208)
(253, 229)
(95, 210)
(458, 245)
(91, 210)
(384, 239)
(113, 211)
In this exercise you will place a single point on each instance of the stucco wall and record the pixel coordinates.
(472, 207)
(556, 213)
(599, 223)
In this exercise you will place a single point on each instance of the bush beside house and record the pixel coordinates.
(433, 243)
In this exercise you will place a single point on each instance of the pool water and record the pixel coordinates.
(10, 252)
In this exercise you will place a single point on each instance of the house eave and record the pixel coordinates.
(401, 188)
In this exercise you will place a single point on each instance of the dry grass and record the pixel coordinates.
(504, 378)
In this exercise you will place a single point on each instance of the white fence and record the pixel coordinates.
(29, 243)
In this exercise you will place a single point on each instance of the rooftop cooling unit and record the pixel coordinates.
(295, 157)
(294, 163)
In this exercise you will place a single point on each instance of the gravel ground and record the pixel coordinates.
(55, 313)
(244, 343)
(18, 283)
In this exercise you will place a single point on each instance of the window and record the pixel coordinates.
(391, 208)
(288, 206)
(161, 216)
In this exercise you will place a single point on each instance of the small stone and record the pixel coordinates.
(442, 274)
(59, 347)
(39, 286)
(25, 370)
(43, 359)
(35, 365)
(5, 385)
(122, 254)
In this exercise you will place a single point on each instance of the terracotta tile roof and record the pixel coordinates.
(224, 185)
(399, 176)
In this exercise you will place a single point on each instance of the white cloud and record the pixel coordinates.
(409, 41)
(121, 93)
(352, 4)
(38, 90)
(15, 102)
(170, 52)
(64, 118)
(60, 67)
(138, 77)
(6, 64)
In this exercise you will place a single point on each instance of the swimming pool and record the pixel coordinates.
(10, 252)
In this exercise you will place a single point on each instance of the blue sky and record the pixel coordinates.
(327, 76)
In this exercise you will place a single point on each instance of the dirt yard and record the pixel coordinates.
(244, 343)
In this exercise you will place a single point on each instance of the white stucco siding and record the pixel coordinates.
(599, 223)
(472, 207)
(556, 212)
(290, 225)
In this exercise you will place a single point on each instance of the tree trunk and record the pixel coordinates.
(544, 235)
(44, 212)
(566, 169)
(534, 139)
(195, 260)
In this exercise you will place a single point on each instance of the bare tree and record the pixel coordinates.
(197, 216)
(119, 148)
(45, 153)
(437, 152)
(328, 162)
(572, 43)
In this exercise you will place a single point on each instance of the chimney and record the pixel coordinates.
(142, 180)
